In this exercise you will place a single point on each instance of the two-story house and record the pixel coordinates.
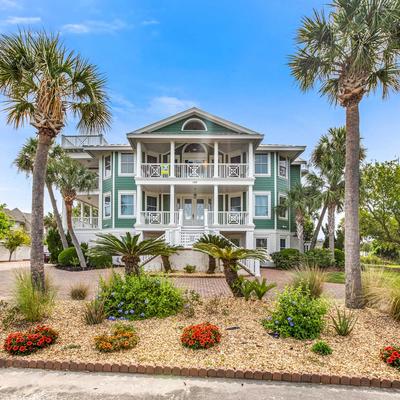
(186, 175)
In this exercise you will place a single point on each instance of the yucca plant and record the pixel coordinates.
(216, 240)
(129, 247)
(344, 321)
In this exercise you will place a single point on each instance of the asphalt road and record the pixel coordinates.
(54, 385)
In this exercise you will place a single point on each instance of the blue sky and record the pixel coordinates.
(160, 57)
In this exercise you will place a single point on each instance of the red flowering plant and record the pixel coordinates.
(391, 355)
(201, 336)
(23, 343)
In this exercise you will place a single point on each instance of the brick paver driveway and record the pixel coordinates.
(206, 287)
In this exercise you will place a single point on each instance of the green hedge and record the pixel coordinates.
(68, 257)
(287, 258)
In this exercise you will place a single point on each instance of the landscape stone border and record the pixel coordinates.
(201, 372)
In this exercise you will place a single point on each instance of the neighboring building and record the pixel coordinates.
(189, 174)
(19, 218)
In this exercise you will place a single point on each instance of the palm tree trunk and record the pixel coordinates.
(57, 215)
(38, 182)
(211, 265)
(318, 227)
(74, 239)
(351, 207)
(131, 265)
(300, 231)
(231, 277)
(166, 263)
(331, 228)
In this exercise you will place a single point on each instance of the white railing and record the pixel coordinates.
(233, 170)
(229, 218)
(152, 170)
(189, 238)
(194, 171)
(71, 141)
(158, 217)
(85, 222)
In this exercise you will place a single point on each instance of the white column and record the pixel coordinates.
(172, 205)
(215, 205)
(138, 159)
(250, 205)
(90, 214)
(172, 159)
(251, 160)
(138, 203)
(82, 209)
(215, 159)
(249, 240)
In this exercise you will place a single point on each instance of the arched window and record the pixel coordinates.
(194, 148)
(194, 124)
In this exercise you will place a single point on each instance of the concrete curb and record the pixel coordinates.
(202, 373)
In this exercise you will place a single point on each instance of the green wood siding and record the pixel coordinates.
(107, 188)
(283, 187)
(177, 127)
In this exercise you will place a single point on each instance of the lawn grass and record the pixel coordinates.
(335, 277)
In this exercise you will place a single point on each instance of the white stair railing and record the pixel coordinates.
(147, 258)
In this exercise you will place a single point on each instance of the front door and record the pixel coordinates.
(193, 211)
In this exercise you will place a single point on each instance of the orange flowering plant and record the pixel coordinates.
(23, 343)
(123, 337)
(391, 355)
(201, 336)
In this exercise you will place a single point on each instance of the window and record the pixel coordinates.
(151, 203)
(126, 205)
(107, 205)
(283, 210)
(107, 166)
(152, 159)
(262, 205)
(194, 124)
(282, 243)
(262, 164)
(236, 203)
(235, 160)
(262, 243)
(283, 170)
(127, 164)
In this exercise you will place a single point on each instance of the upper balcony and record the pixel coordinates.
(80, 141)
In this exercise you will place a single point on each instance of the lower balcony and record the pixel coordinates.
(84, 223)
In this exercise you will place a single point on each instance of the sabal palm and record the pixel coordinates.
(25, 161)
(230, 256)
(71, 177)
(217, 240)
(43, 83)
(349, 53)
(129, 247)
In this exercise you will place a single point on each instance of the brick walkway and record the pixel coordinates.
(206, 287)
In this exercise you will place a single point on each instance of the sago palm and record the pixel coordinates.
(219, 241)
(25, 161)
(166, 253)
(348, 53)
(129, 247)
(72, 177)
(230, 256)
(42, 83)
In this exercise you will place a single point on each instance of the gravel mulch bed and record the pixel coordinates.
(249, 347)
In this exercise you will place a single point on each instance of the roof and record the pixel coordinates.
(19, 216)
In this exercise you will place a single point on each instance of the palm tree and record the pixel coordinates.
(230, 256)
(25, 161)
(43, 83)
(349, 53)
(71, 177)
(217, 240)
(129, 247)
(165, 254)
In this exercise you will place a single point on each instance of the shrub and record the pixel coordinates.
(216, 305)
(100, 261)
(138, 297)
(66, 257)
(261, 288)
(310, 280)
(287, 258)
(320, 257)
(391, 356)
(24, 343)
(79, 291)
(297, 314)
(344, 322)
(54, 244)
(339, 258)
(201, 336)
(322, 348)
(33, 303)
(246, 288)
(94, 312)
(373, 259)
(124, 337)
(190, 299)
(190, 268)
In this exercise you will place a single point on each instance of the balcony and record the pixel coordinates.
(84, 223)
(228, 218)
(158, 218)
(79, 141)
(194, 171)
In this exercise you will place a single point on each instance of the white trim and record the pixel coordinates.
(194, 119)
(100, 202)
(111, 203)
(104, 167)
(287, 241)
(128, 193)
(286, 218)
(276, 188)
(152, 194)
(120, 164)
(113, 187)
(262, 193)
(268, 154)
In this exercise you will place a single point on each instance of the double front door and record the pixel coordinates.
(193, 211)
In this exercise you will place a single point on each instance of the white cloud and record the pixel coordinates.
(164, 105)
(21, 20)
(120, 104)
(150, 22)
(95, 26)
(5, 4)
